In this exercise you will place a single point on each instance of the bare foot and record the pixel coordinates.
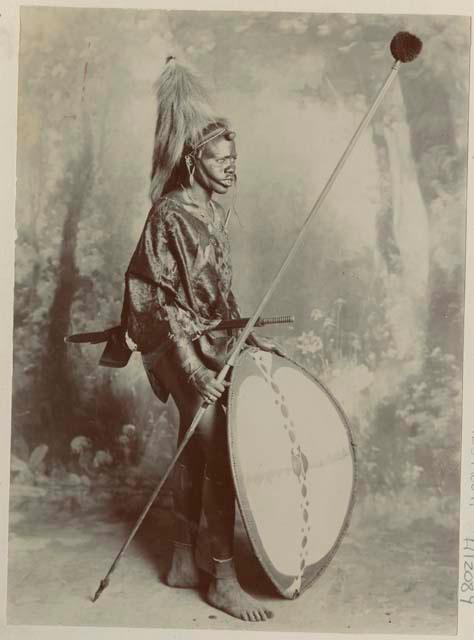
(227, 595)
(183, 572)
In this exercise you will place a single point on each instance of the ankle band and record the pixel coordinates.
(223, 560)
(223, 568)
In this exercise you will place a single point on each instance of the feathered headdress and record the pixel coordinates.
(184, 113)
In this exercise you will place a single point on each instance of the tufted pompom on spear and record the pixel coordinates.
(405, 47)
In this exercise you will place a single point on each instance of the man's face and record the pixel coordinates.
(215, 169)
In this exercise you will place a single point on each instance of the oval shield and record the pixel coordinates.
(293, 465)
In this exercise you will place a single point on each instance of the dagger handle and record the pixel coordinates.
(275, 320)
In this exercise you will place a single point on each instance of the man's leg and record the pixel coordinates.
(187, 479)
(187, 492)
(225, 591)
(187, 498)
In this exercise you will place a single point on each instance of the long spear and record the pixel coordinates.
(404, 47)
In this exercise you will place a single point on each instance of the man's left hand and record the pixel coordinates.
(266, 344)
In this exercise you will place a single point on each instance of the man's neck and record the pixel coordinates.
(199, 196)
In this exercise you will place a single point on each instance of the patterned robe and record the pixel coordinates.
(178, 283)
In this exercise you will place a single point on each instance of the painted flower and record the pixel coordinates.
(309, 343)
(129, 430)
(316, 315)
(102, 458)
(79, 444)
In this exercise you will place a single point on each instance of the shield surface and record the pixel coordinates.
(293, 465)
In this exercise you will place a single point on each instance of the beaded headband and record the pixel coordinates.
(228, 134)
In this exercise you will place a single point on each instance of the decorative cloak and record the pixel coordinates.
(178, 283)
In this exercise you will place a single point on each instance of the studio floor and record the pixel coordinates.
(388, 575)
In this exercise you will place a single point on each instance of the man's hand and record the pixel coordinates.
(265, 344)
(205, 382)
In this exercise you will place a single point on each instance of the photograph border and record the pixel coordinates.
(9, 43)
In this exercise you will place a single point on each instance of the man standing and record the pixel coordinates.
(178, 285)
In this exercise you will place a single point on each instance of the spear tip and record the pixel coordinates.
(103, 585)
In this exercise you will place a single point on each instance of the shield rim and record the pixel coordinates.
(248, 521)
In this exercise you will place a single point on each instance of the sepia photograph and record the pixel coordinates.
(238, 321)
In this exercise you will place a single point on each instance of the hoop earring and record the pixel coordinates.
(190, 166)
